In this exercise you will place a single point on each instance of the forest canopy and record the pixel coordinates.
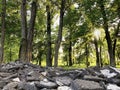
(60, 32)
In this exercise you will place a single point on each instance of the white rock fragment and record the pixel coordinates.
(16, 79)
(30, 72)
(48, 84)
(32, 83)
(107, 73)
(112, 87)
(44, 73)
(64, 88)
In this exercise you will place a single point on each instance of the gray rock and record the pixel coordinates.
(114, 81)
(63, 80)
(93, 78)
(26, 76)
(2, 84)
(34, 73)
(4, 74)
(79, 84)
(26, 86)
(11, 76)
(12, 67)
(31, 78)
(11, 86)
(47, 89)
(46, 84)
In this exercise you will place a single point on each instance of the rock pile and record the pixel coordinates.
(26, 76)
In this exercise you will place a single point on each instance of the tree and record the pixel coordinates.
(49, 58)
(117, 29)
(59, 37)
(2, 30)
(108, 38)
(70, 48)
(23, 46)
(87, 55)
(97, 53)
(30, 33)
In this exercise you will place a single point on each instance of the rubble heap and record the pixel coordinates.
(19, 75)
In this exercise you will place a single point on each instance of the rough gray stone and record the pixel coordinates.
(46, 84)
(4, 74)
(26, 86)
(2, 84)
(63, 80)
(79, 84)
(93, 78)
(11, 86)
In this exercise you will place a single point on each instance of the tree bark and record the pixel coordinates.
(101, 60)
(10, 54)
(97, 53)
(108, 38)
(2, 30)
(48, 58)
(117, 30)
(87, 55)
(59, 38)
(31, 30)
(23, 46)
(70, 50)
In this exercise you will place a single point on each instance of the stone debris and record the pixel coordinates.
(20, 75)
(112, 87)
(107, 73)
(64, 88)
(80, 84)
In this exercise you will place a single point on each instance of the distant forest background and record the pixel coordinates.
(60, 32)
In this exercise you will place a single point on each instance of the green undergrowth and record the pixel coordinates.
(63, 65)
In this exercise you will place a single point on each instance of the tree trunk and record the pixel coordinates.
(23, 46)
(39, 58)
(10, 54)
(2, 30)
(70, 50)
(108, 38)
(48, 58)
(87, 54)
(97, 53)
(101, 61)
(31, 30)
(117, 30)
(59, 38)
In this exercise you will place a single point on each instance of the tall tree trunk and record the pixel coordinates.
(48, 58)
(23, 46)
(108, 38)
(87, 54)
(97, 53)
(39, 58)
(10, 54)
(31, 30)
(101, 61)
(117, 30)
(70, 50)
(59, 38)
(2, 30)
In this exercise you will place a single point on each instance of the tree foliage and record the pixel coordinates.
(74, 32)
